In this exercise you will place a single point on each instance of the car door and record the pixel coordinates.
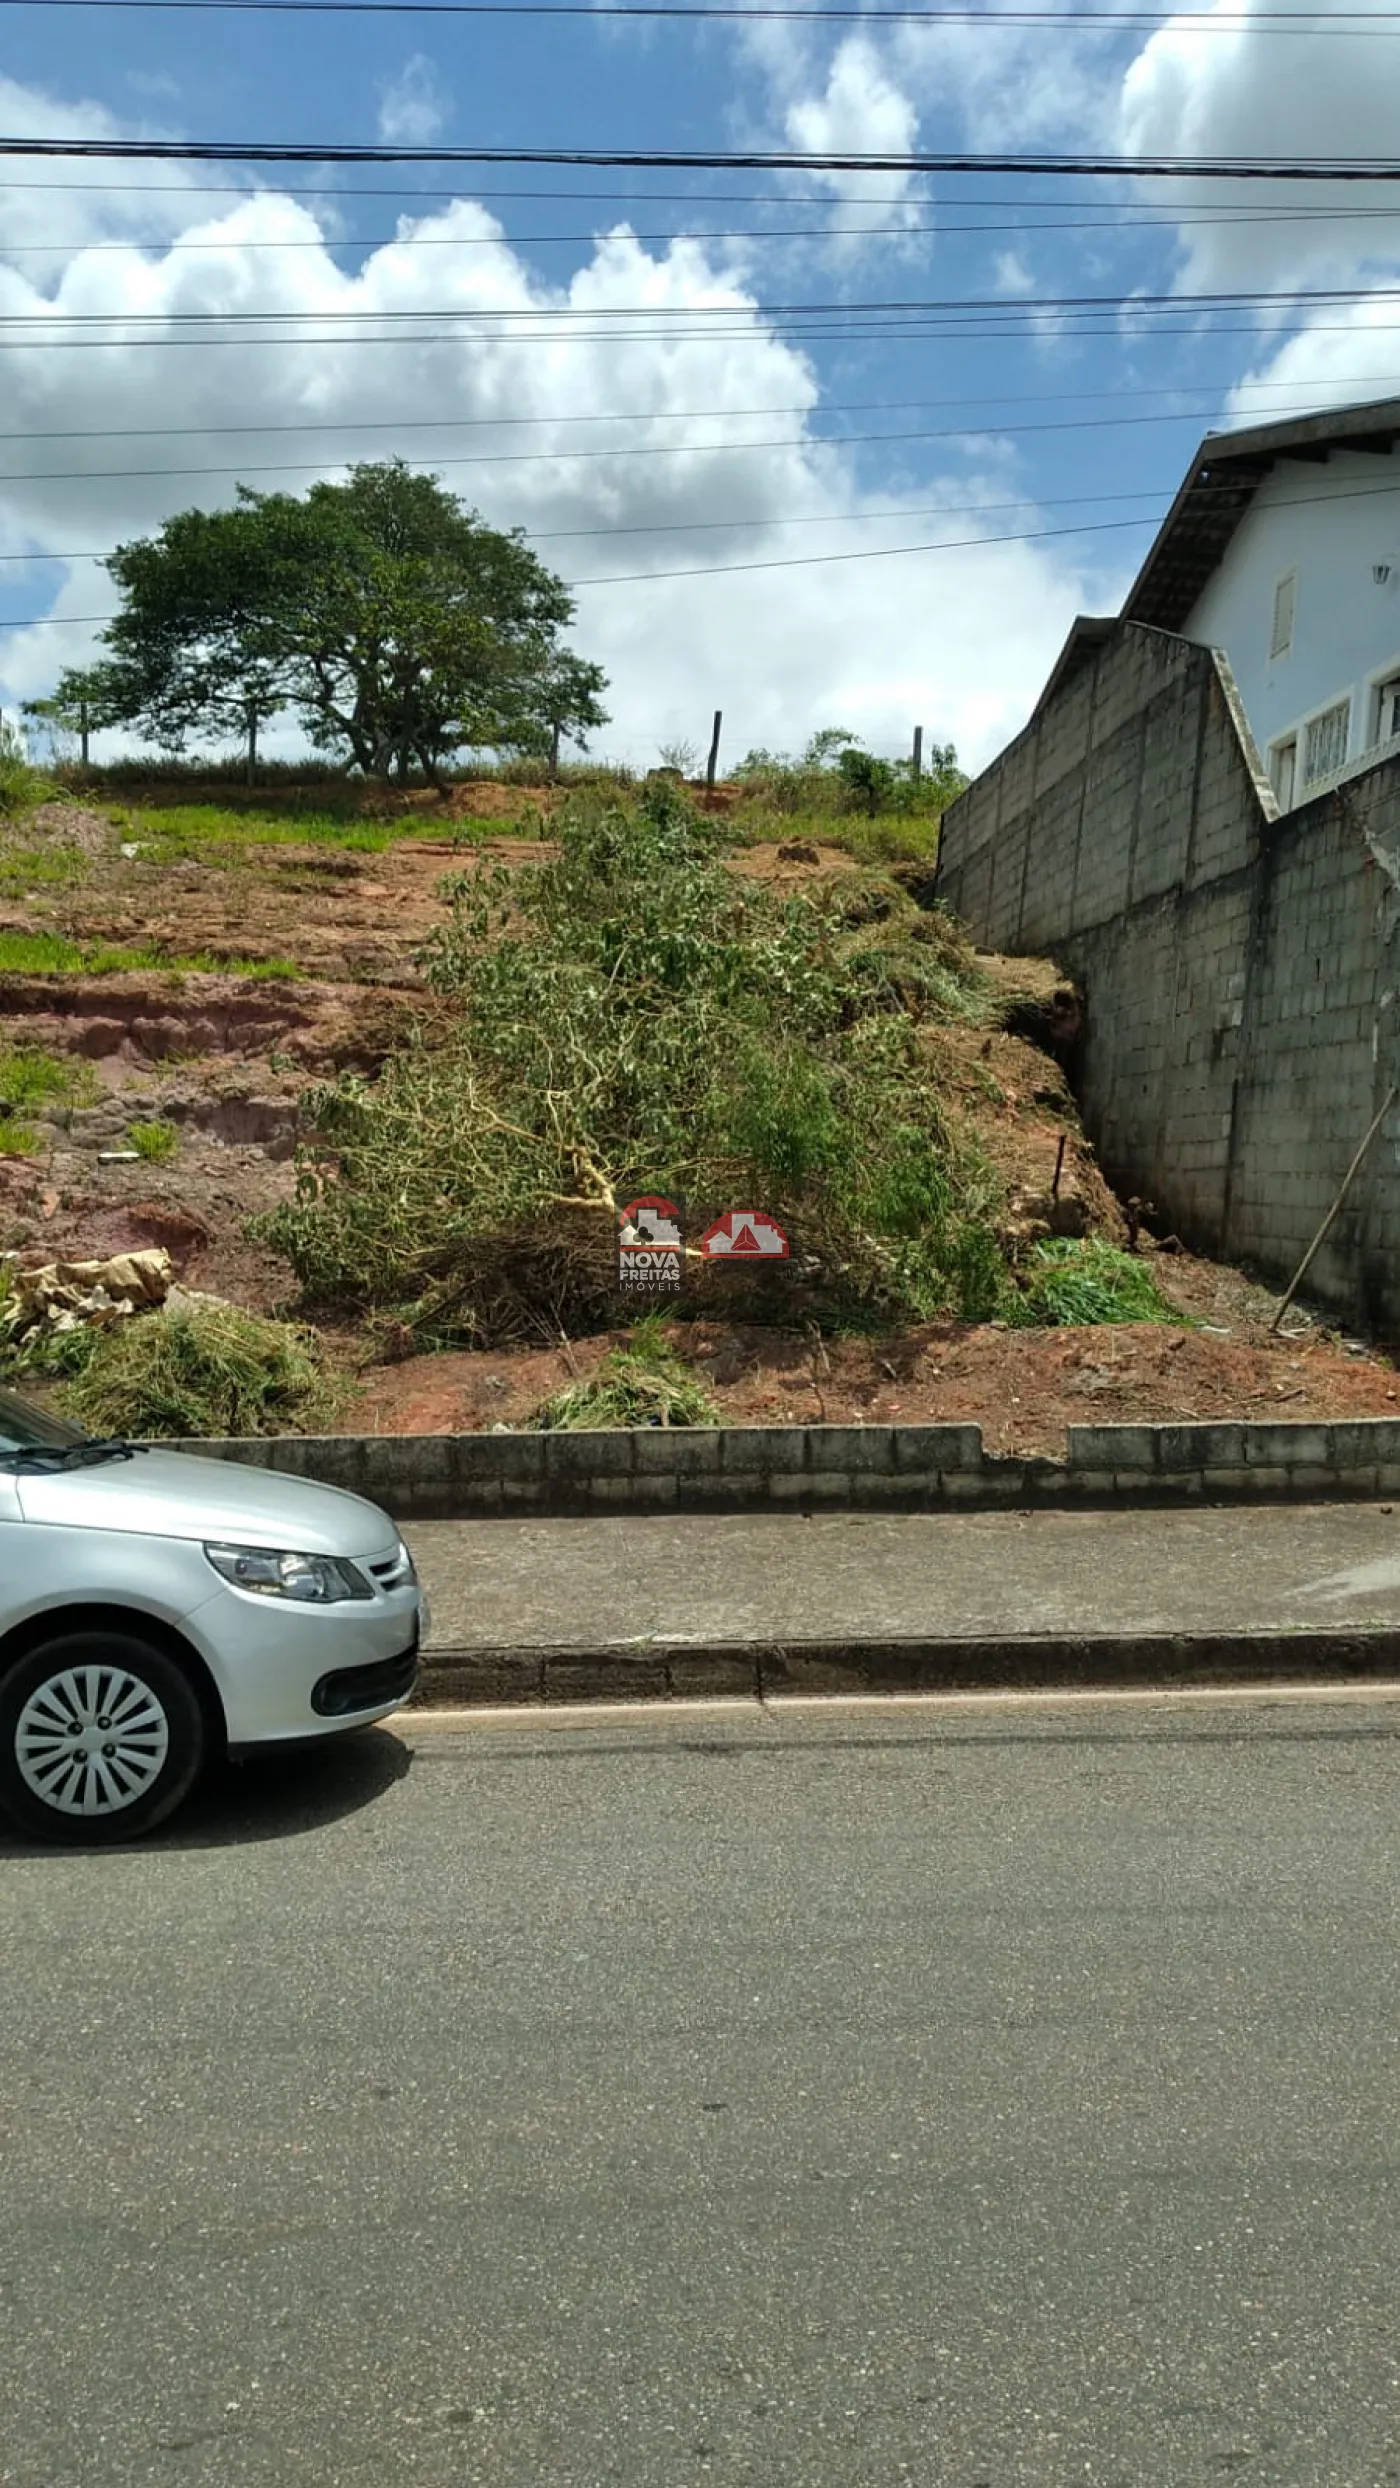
(14, 1586)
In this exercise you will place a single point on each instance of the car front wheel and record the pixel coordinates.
(101, 1735)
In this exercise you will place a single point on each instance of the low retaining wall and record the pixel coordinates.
(914, 1468)
(765, 1671)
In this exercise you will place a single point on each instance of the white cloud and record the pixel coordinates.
(1353, 357)
(957, 641)
(143, 200)
(860, 111)
(1315, 93)
(1011, 275)
(1238, 92)
(996, 86)
(415, 107)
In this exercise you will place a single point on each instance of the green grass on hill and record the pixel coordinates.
(211, 833)
(31, 1079)
(23, 869)
(52, 954)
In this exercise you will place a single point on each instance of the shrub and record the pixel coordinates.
(837, 778)
(632, 1016)
(20, 784)
(647, 1383)
(1071, 1280)
(214, 1370)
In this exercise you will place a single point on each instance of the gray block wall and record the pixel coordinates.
(1240, 972)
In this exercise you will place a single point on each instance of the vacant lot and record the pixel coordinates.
(179, 969)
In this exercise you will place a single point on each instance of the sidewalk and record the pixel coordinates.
(567, 1609)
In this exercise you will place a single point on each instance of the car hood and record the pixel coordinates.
(174, 1494)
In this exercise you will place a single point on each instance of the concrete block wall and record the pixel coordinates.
(890, 1468)
(1241, 972)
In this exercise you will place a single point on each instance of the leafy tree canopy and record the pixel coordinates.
(390, 619)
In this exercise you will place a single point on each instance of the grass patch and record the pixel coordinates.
(29, 1077)
(30, 1080)
(890, 840)
(222, 834)
(1068, 1280)
(647, 1383)
(334, 788)
(153, 1141)
(218, 833)
(53, 954)
(23, 869)
(21, 785)
(210, 1372)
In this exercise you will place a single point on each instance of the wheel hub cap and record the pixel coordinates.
(91, 1740)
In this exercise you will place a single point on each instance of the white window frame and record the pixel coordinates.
(1303, 784)
(1385, 678)
(1278, 650)
(1284, 744)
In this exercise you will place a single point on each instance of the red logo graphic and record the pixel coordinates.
(744, 1235)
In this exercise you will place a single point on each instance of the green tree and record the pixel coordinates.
(392, 621)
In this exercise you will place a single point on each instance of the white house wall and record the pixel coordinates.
(1333, 523)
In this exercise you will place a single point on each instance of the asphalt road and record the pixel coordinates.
(835, 2099)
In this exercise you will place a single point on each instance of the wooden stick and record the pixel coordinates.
(713, 762)
(1347, 1180)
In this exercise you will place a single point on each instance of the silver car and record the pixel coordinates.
(156, 1608)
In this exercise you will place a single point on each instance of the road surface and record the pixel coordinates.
(977, 2096)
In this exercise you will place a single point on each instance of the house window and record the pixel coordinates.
(1387, 719)
(1325, 742)
(1283, 765)
(1285, 596)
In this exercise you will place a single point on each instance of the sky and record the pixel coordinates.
(773, 493)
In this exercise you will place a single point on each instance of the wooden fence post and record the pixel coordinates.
(713, 762)
(83, 730)
(918, 753)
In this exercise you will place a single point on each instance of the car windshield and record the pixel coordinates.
(26, 1428)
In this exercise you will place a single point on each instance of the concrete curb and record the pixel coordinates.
(888, 1468)
(662, 1671)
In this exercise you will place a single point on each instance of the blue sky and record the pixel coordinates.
(722, 428)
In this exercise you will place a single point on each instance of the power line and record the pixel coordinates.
(802, 561)
(763, 160)
(709, 414)
(829, 518)
(535, 457)
(760, 520)
(715, 570)
(1109, 221)
(998, 306)
(1222, 213)
(706, 414)
(573, 457)
(909, 331)
(1228, 21)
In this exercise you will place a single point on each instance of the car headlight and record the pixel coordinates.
(273, 1572)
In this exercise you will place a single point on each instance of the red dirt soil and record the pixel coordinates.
(1023, 1387)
